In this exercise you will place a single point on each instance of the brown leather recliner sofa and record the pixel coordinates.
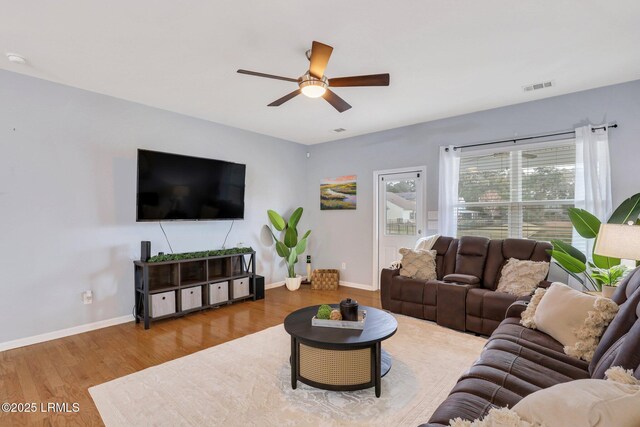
(463, 296)
(517, 361)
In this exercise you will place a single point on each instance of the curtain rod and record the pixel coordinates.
(526, 138)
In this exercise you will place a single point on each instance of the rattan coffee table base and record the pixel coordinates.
(339, 369)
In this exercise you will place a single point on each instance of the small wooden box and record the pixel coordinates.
(240, 288)
(191, 298)
(218, 292)
(325, 279)
(162, 304)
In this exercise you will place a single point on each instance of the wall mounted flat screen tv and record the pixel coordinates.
(176, 187)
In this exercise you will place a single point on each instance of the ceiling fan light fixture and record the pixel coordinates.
(312, 87)
(313, 91)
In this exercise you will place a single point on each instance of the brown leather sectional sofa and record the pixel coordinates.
(463, 297)
(517, 361)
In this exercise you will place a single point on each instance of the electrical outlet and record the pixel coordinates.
(344, 265)
(87, 297)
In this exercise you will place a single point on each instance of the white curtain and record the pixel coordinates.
(593, 176)
(448, 191)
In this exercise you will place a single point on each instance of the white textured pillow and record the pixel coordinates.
(575, 319)
(418, 264)
(521, 277)
(621, 375)
(497, 417)
(590, 402)
(549, 407)
(426, 243)
(527, 316)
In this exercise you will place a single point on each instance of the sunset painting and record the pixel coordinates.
(338, 193)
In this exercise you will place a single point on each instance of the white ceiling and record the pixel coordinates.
(445, 57)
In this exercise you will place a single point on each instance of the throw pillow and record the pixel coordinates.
(423, 243)
(426, 243)
(521, 277)
(418, 264)
(549, 407)
(587, 402)
(527, 316)
(621, 375)
(497, 417)
(575, 319)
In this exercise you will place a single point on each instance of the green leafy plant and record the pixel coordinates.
(596, 269)
(200, 254)
(290, 247)
(608, 277)
(324, 312)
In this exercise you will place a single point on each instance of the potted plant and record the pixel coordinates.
(290, 247)
(608, 278)
(597, 270)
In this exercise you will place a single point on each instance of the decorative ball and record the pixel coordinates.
(324, 312)
(335, 315)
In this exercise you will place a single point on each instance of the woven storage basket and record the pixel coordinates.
(325, 279)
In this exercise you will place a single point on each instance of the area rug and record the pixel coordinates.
(247, 382)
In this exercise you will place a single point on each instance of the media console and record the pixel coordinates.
(174, 288)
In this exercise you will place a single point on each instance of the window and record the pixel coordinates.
(518, 193)
(400, 199)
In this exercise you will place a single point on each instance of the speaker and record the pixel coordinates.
(145, 250)
(259, 287)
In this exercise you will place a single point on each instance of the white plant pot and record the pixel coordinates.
(293, 283)
(608, 291)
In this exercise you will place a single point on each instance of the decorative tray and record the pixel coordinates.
(341, 324)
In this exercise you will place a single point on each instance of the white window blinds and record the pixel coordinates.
(521, 192)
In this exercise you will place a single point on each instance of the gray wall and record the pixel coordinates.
(67, 188)
(347, 236)
(67, 199)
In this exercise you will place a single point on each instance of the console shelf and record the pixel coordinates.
(171, 289)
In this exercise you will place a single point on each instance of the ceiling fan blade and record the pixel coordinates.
(269, 76)
(285, 98)
(371, 80)
(337, 102)
(320, 54)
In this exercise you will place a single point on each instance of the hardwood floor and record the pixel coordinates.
(62, 370)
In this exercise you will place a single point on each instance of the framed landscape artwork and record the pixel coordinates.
(338, 193)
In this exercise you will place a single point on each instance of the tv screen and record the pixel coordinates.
(176, 187)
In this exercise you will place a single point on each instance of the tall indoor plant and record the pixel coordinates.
(597, 270)
(290, 247)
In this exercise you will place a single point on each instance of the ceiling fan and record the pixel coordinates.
(315, 84)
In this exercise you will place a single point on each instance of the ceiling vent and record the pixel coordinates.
(338, 130)
(538, 86)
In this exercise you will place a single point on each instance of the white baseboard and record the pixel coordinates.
(274, 285)
(356, 285)
(342, 283)
(21, 342)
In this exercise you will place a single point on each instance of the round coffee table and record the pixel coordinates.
(339, 359)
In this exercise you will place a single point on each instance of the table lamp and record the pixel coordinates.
(619, 241)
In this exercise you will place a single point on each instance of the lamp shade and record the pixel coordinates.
(619, 241)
